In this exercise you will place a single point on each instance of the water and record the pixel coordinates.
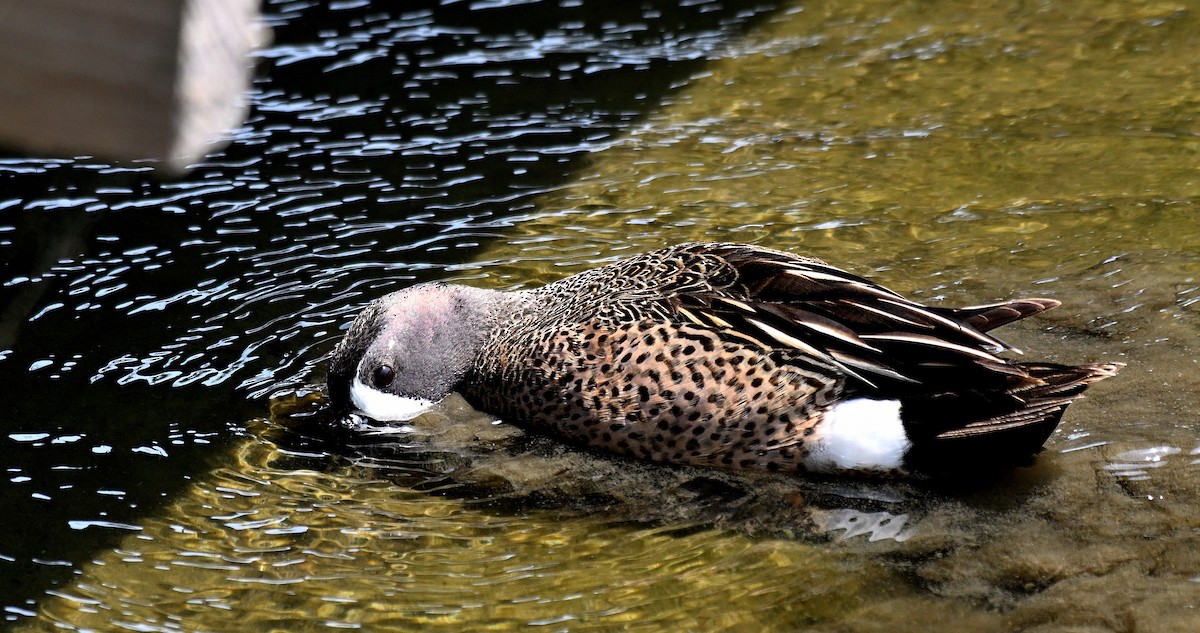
(959, 155)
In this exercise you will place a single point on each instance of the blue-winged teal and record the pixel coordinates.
(721, 355)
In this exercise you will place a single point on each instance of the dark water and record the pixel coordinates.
(143, 321)
(961, 154)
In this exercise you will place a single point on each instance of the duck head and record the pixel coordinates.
(408, 350)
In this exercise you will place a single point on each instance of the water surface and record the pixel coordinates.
(960, 155)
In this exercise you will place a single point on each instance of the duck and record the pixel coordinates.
(721, 355)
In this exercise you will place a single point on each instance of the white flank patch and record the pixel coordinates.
(386, 407)
(860, 434)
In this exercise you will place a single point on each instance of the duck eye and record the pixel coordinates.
(383, 376)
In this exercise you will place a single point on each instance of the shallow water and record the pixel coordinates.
(962, 156)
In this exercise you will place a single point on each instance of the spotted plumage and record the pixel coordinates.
(719, 355)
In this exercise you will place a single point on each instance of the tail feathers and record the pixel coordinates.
(1063, 380)
(1043, 399)
(991, 316)
(964, 428)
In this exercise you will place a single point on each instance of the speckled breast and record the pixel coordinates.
(656, 390)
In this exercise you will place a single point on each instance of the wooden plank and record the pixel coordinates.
(124, 79)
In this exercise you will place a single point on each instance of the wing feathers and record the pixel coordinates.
(882, 342)
(940, 362)
(786, 339)
(922, 313)
(929, 341)
(870, 367)
(989, 317)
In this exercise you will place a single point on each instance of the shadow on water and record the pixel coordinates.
(384, 143)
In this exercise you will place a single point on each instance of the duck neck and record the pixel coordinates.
(488, 317)
(482, 313)
(487, 309)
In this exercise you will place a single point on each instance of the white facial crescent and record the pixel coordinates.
(386, 407)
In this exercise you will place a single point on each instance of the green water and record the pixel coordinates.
(959, 153)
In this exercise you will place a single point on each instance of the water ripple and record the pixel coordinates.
(280, 248)
(379, 555)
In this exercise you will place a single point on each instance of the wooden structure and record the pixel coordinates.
(124, 79)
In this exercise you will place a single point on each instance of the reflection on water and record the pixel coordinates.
(962, 155)
(1135, 465)
(282, 538)
(873, 525)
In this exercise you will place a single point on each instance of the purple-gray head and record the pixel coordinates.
(408, 350)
